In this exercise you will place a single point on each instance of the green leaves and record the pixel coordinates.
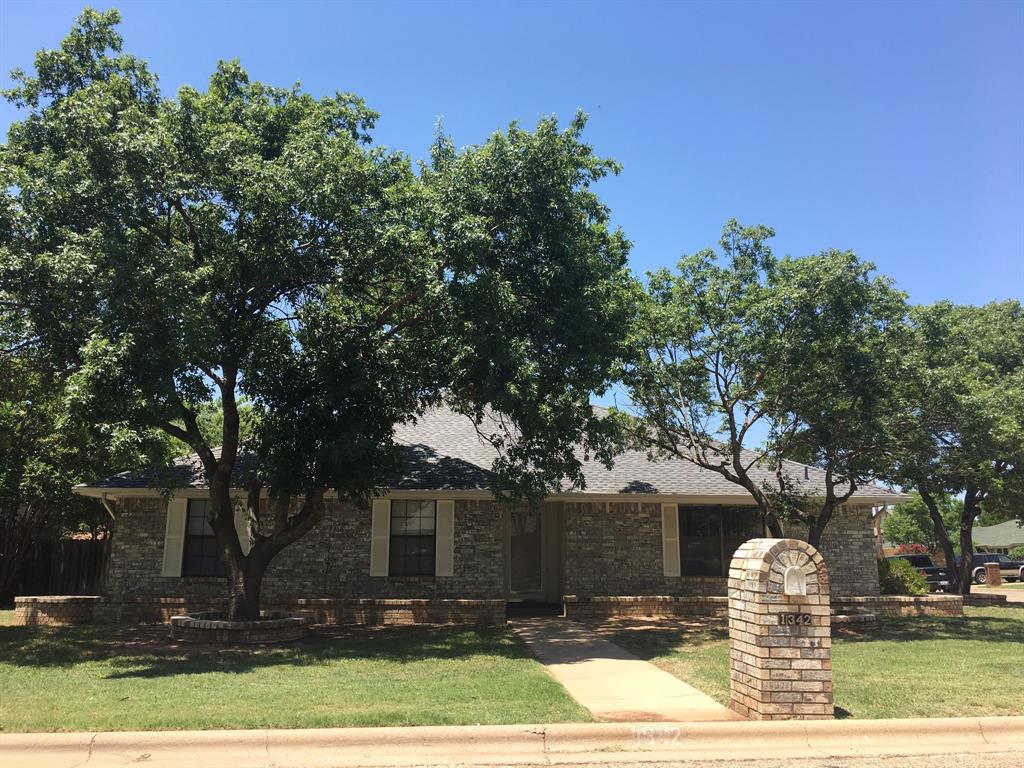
(176, 254)
(801, 349)
(964, 373)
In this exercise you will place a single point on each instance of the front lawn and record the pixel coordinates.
(915, 667)
(95, 678)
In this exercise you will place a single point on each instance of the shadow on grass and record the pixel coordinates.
(146, 652)
(652, 640)
(979, 628)
(649, 640)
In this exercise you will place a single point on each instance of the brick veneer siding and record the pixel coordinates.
(609, 550)
(618, 552)
(55, 610)
(848, 546)
(332, 561)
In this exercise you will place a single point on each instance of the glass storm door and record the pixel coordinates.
(525, 554)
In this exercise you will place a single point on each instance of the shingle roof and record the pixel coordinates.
(444, 451)
(1008, 534)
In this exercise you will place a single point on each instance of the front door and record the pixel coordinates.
(525, 555)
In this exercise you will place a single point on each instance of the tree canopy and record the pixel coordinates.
(249, 241)
(963, 375)
(799, 348)
(911, 522)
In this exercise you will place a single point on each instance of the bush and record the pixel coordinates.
(912, 549)
(898, 577)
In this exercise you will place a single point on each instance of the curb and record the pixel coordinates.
(515, 745)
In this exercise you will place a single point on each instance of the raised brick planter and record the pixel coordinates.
(855, 622)
(55, 610)
(212, 627)
(979, 598)
(642, 606)
(380, 611)
(901, 605)
(385, 611)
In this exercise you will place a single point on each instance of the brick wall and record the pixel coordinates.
(332, 561)
(848, 546)
(617, 551)
(55, 610)
(610, 550)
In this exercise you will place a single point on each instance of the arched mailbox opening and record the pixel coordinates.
(780, 633)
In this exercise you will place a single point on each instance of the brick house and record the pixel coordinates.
(439, 546)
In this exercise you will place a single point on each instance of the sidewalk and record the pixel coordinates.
(1012, 595)
(567, 744)
(611, 682)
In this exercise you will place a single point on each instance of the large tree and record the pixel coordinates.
(964, 376)
(251, 241)
(45, 450)
(798, 350)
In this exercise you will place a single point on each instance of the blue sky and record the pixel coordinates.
(896, 130)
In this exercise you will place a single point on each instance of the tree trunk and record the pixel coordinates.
(967, 516)
(814, 531)
(243, 590)
(244, 597)
(943, 536)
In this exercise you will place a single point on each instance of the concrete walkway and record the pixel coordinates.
(610, 681)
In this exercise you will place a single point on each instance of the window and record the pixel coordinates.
(413, 525)
(708, 537)
(201, 556)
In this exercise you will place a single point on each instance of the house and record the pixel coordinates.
(439, 546)
(1000, 538)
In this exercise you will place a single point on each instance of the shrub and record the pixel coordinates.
(898, 577)
(1017, 553)
(912, 549)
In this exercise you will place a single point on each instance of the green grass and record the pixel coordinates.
(95, 678)
(913, 667)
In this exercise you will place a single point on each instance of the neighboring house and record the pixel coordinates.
(643, 528)
(999, 538)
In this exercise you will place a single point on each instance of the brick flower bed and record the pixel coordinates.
(55, 610)
(654, 606)
(327, 610)
(212, 627)
(901, 605)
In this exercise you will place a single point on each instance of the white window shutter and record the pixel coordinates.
(444, 538)
(174, 536)
(380, 537)
(670, 539)
(242, 527)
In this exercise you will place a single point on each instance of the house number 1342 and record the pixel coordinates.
(794, 619)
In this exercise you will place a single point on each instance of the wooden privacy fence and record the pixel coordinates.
(64, 567)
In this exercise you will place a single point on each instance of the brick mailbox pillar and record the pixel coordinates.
(993, 576)
(780, 634)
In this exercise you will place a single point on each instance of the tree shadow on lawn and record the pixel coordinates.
(649, 639)
(148, 652)
(987, 629)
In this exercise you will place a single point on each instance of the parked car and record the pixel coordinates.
(1011, 570)
(936, 576)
